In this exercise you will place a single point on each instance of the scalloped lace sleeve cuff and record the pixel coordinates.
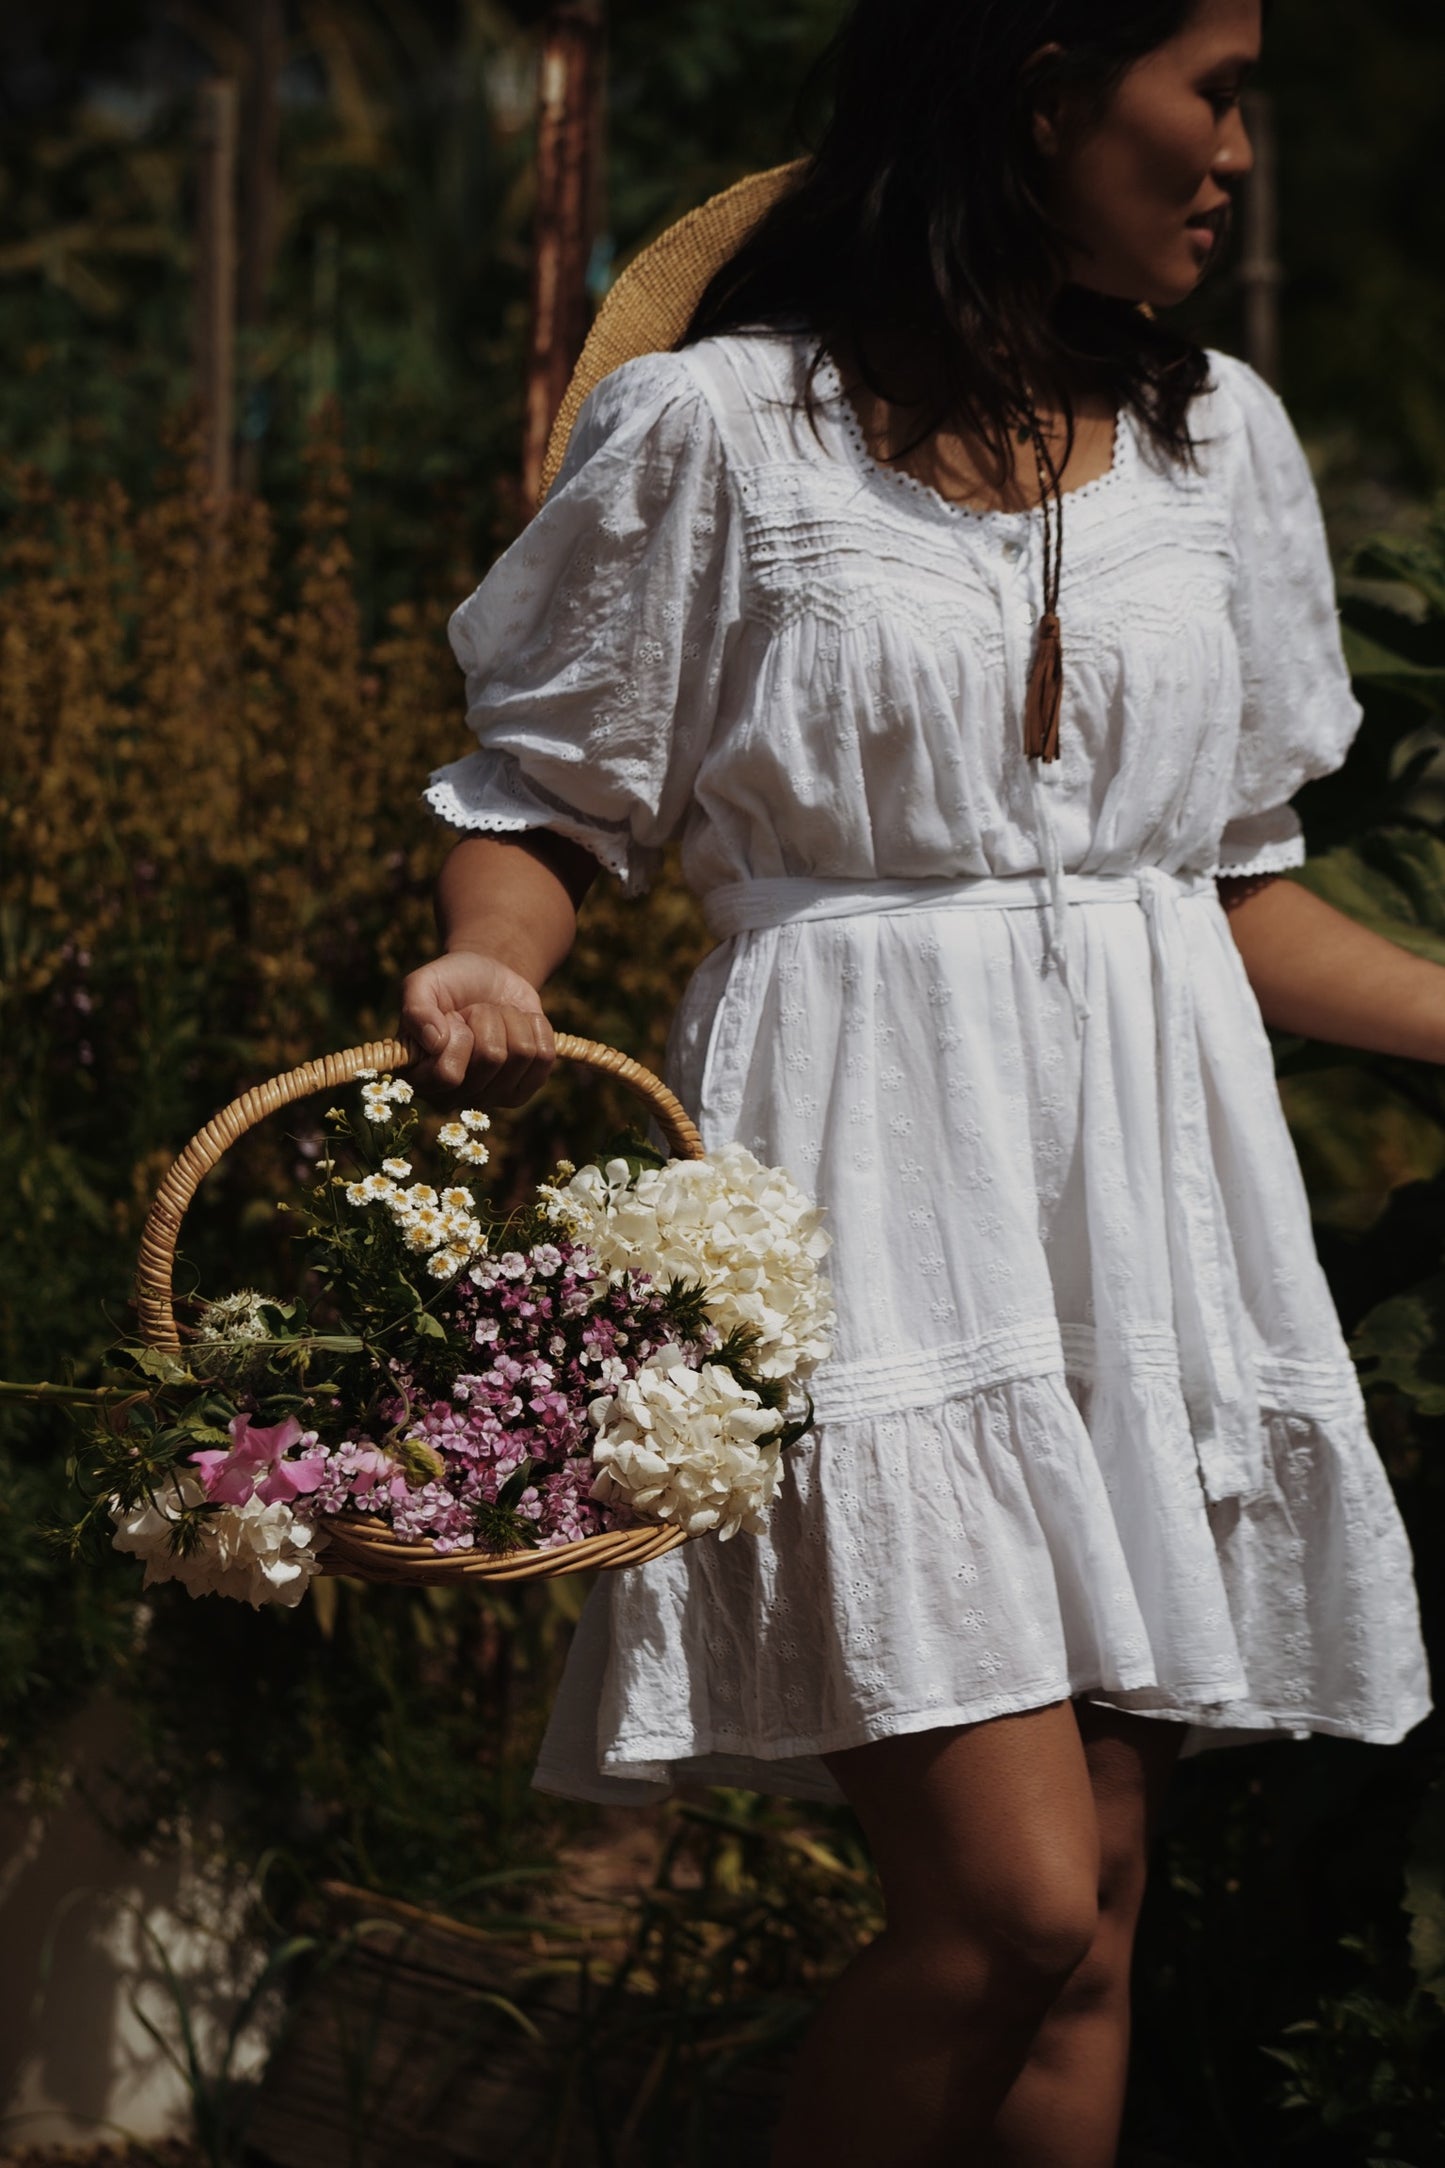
(487, 793)
(1270, 842)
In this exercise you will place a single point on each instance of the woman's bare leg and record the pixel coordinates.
(986, 1842)
(1067, 2103)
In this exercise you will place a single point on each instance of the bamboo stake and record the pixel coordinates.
(216, 280)
(1259, 271)
(568, 138)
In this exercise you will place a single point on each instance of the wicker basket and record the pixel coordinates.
(357, 1546)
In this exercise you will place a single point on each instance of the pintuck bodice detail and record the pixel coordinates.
(731, 624)
(1090, 1425)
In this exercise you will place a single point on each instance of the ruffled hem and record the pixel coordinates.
(792, 1768)
(477, 794)
(1027, 1543)
(1269, 842)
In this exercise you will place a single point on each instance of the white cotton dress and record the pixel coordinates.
(1090, 1426)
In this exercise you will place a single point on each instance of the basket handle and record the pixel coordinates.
(184, 1175)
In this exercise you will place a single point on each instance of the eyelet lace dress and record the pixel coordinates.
(1090, 1426)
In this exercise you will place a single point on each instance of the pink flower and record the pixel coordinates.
(256, 1466)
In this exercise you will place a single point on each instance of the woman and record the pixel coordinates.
(1091, 1480)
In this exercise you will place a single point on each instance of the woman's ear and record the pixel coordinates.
(1046, 100)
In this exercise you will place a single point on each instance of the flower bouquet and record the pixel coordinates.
(612, 1369)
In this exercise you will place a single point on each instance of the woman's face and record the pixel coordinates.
(1141, 190)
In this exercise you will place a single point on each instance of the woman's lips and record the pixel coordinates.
(1209, 228)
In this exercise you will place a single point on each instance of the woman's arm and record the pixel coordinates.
(507, 916)
(1320, 974)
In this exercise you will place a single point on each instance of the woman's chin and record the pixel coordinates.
(1154, 285)
(1167, 289)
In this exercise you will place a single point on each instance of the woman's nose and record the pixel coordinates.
(1234, 154)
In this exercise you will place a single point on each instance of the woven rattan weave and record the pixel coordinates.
(358, 1547)
(651, 305)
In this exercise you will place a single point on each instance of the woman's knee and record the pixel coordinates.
(986, 1843)
(1037, 1929)
(1014, 1938)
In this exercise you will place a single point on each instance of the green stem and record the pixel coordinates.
(82, 1395)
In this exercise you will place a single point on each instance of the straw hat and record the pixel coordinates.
(651, 305)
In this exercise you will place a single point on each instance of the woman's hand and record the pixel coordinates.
(507, 912)
(482, 1027)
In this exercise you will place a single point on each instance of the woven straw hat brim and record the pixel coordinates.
(652, 303)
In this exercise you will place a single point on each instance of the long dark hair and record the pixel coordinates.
(921, 213)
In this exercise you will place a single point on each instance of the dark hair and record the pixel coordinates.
(921, 211)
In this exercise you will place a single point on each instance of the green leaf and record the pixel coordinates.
(1403, 1342)
(1392, 880)
(516, 1483)
(1372, 663)
(162, 1363)
(431, 1328)
(1416, 565)
(792, 1433)
(639, 1152)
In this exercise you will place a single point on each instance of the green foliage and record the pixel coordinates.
(220, 2101)
(754, 1907)
(1425, 1893)
(1359, 95)
(213, 865)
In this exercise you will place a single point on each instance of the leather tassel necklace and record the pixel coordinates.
(1046, 679)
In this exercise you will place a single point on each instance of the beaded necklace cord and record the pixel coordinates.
(1046, 679)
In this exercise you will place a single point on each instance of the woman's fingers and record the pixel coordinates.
(481, 1031)
(427, 1018)
(487, 1054)
(513, 1057)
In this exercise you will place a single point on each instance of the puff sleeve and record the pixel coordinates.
(1299, 715)
(595, 647)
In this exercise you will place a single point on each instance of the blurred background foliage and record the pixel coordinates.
(213, 863)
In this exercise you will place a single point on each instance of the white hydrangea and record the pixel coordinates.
(689, 1447)
(745, 1230)
(256, 1553)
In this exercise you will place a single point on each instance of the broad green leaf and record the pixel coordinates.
(1417, 565)
(1403, 1342)
(1372, 663)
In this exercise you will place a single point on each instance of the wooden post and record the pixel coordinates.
(261, 131)
(568, 139)
(216, 281)
(1259, 270)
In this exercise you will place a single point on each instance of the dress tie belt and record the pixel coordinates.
(1209, 1322)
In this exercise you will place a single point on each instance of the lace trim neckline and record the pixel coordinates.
(830, 382)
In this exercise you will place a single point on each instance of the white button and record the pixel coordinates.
(1013, 549)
